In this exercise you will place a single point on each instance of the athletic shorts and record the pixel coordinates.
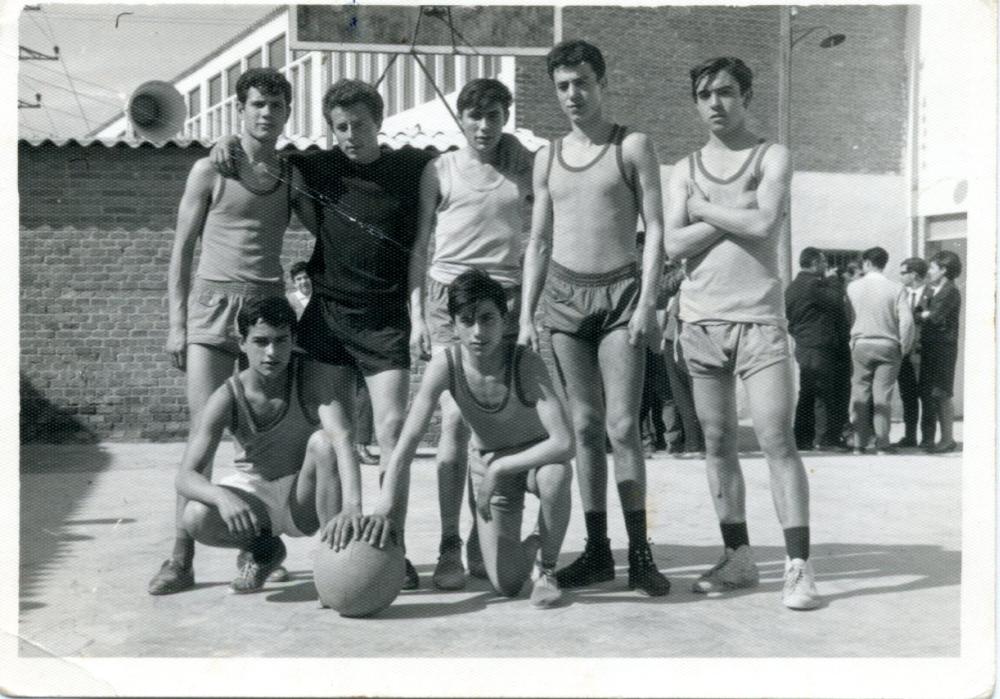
(589, 306)
(509, 493)
(213, 307)
(439, 322)
(276, 496)
(743, 349)
(334, 334)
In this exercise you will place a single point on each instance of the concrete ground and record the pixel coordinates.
(96, 522)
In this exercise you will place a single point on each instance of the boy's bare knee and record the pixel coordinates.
(194, 516)
(589, 429)
(623, 429)
(554, 477)
(320, 445)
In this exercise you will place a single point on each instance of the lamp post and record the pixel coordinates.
(787, 41)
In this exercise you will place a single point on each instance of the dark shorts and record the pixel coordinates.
(373, 342)
(439, 322)
(937, 369)
(213, 307)
(740, 349)
(589, 306)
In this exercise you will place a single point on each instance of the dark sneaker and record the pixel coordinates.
(906, 443)
(474, 556)
(278, 575)
(595, 565)
(449, 574)
(254, 573)
(643, 575)
(172, 577)
(411, 580)
(736, 569)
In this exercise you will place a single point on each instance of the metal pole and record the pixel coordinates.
(785, 133)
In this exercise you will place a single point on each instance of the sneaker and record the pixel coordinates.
(595, 565)
(545, 593)
(411, 580)
(734, 571)
(800, 585)
(278, 575)
(643, 575)
(449, 574)
(474, 557)
(172, 577)
(254, 573)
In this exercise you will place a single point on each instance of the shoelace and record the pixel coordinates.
(644, 556)
(792, 582)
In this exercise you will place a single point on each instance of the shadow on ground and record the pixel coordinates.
(46, 515)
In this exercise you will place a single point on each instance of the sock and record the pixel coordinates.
(183, 551)
(263, 546)
(797, 542)
(635, 525)
(734, 534)
(597, 527)
(451, 541)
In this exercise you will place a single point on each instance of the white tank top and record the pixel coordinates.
(479, 224)
(735, 280)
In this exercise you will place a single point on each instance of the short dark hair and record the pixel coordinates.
(472, 286)
(268, 81)
(273, 310)
(346, 93)
(809, 256)
(734, 66)
(573, 52)
(877, 256)
(949, 262)
(915, 265)
(479, 93)
(298, 268)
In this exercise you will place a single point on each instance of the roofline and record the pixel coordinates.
(205, 59)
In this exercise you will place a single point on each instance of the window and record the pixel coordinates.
(839, 257)
(215, 90)
(276, 53)
(194, 102)
(305, 103)
(430, 63)
(409, 66)
(232, 76)
(449, 74)
(254, 60)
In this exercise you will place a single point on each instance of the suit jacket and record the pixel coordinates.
(814, 306)
(941, 326)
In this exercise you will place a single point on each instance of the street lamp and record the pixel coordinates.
(788, 40)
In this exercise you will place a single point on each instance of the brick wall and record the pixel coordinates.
(849, 110)
(96, 229)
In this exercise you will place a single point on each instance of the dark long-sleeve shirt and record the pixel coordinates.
(814, 306)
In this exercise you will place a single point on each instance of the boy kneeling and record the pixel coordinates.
(521, 440)
(286, 479)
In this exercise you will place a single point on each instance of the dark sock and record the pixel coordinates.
(597, 527)
(451, 541)
(734, 534)
(635, 525)
(263, 546)
(183, 551)
(797, 542)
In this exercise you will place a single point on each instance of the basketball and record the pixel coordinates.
(359, 580)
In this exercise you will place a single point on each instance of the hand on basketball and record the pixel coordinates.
(377, 530)
(420, 340)
(225, 156)
(338, 532)
(528, 336)
(177, 347)
(237, 514)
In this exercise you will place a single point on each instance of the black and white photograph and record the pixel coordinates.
(460, 350)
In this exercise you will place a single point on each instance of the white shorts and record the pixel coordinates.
(276, 496)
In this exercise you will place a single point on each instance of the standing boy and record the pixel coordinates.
(474, 200)
(726, 203)
(521, 437)
(241, 222)
(590, 187)
(286, 479)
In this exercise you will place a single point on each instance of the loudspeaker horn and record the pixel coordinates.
(156, 111)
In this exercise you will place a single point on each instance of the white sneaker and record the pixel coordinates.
(735, 570)
(545, 592)
(800, 585)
